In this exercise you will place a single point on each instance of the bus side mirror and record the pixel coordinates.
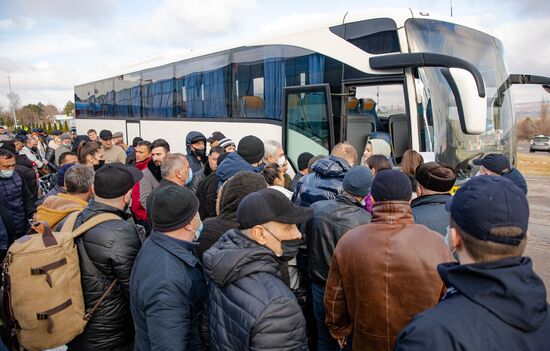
(472, 108)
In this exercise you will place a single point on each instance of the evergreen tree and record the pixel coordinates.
(65, 126)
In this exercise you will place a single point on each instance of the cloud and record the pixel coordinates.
(189, 22)
(69, 10)
(20, 23)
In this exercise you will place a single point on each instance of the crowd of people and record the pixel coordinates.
(219, 248)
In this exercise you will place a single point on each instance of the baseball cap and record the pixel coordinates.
(216, 136)
(497, 163)
(115, 179)
(268, 205)
(105, 134)
(488, 202)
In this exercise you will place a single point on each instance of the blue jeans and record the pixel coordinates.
(325, 341)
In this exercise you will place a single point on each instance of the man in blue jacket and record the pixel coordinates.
(250, 307)
(494, 300)
(167, 284)
(325, 182)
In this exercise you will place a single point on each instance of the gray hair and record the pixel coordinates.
(79, 179)
(171, 163)
(271, 147)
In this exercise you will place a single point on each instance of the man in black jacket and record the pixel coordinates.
(331, 220)
(167, 284)
(107, 252)
(250, 307)
(495, 301)
(435, 182)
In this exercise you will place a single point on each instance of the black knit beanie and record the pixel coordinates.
(172, 208)
(251, 149)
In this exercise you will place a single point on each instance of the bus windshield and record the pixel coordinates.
(449, 143)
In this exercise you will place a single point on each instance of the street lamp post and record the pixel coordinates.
(11, 103)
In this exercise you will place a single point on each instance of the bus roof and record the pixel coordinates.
(296, 34)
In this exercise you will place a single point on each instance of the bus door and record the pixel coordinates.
(377, 111)
(307, 121)
(133, 129)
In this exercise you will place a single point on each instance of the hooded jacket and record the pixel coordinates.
(231, 165)
(231, 195)
(430, 211)
(381, 275)
(195, 164)
(518, 179)
(324, 183)
(250, 307)
(499, 305)
(57, 207)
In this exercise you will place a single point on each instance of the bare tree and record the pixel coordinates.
(51, 111)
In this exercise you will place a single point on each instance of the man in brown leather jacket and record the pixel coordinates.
(383, 273)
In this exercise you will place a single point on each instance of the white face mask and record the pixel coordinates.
(281, 161)
(6, 173)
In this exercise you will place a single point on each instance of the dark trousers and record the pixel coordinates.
(325, 341)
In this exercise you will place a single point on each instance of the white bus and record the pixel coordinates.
(419, 81)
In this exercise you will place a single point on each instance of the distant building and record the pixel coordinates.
(63, 118)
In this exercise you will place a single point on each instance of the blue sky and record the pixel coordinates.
(49, 46)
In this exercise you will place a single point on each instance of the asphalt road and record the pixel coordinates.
(538, 244)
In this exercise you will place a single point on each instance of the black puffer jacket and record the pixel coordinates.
(111, 249)
(250, 307)
(26, 169)
(331, 220)
(324, 183)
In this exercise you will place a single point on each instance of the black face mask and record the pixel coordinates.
(99, 165)
(290, 249)
(200, 154)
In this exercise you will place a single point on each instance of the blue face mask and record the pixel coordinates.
(198, 232)
(189, 177)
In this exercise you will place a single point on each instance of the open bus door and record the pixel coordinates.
(307, 121)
